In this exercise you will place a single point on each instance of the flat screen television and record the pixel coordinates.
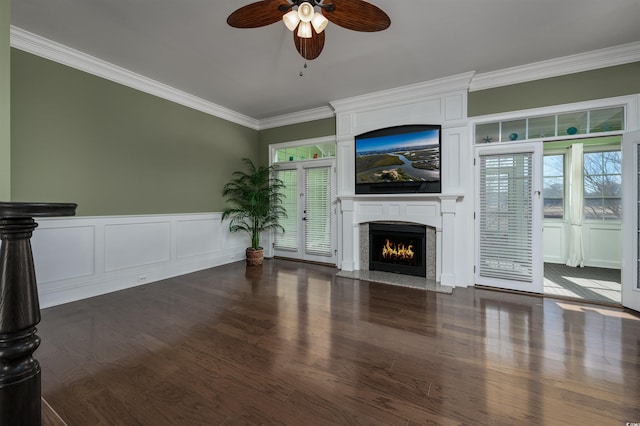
(400, 159)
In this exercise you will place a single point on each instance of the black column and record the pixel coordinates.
(20, 312)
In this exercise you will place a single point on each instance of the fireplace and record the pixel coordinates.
(398, 248)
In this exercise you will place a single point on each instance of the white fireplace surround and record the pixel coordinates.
(442, 102)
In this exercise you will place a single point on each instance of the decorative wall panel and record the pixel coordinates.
(83, 257)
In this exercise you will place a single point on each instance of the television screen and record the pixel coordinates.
(401, 159)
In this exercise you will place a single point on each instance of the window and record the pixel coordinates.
(565, 125)
(305, 152)
(603, 185)
(553, 186)
(288, 240)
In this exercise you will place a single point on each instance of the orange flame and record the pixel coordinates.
(397, 251)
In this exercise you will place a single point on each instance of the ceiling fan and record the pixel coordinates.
(308, 18)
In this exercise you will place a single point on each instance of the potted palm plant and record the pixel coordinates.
(255, 205)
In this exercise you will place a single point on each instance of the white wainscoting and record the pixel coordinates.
(602, 242)
(555, 242)
(82, 257)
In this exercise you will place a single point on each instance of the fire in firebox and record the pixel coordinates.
(397, 251)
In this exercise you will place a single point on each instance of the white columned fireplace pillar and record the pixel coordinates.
(448, 210)
(348, 236)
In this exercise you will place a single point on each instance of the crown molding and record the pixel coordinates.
(40, 46)
(602, 58)
(48, 49)
(403, 94)
(296, 118)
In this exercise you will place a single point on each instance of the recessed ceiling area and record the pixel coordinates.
(256, 72)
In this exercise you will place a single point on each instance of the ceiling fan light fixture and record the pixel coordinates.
(305, 12)
(319, 22)
(304, 30)
(308, 19)
(291, 19)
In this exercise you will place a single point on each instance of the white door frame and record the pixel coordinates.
(630, 221)
(299, 166)
(537, 283)
(300, 253)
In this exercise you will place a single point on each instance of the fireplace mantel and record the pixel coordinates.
(412, 197)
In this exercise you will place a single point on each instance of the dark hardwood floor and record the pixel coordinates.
(290, 343)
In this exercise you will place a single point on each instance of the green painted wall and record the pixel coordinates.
(5, 98)
(597, 84)
(294, 132)
(114, 150)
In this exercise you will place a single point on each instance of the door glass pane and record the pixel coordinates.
(288, 240)
(318, 211)
(506, 214)
(553, 186)
(603, 185)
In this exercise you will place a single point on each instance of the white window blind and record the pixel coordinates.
(506, 237)
(288, 240)
(318, 211)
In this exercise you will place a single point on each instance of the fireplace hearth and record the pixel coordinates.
(398, 248)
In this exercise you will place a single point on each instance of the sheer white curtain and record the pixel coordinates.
(576, 205)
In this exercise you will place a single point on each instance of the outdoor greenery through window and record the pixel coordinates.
(553, 186)
(603, 185)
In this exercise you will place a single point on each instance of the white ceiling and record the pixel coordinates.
(187, 44)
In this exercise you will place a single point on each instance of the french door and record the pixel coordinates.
(631, 220)
(310, 205)
(509, 217)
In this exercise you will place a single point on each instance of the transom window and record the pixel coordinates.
(565, 125)
(314, 151)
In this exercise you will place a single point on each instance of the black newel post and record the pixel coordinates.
(20, 311)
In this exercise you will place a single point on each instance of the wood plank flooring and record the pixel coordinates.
(50, 417)
(291, 343)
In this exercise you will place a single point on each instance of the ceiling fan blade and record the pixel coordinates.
(358, 15)
(257, 14)
(309, 48)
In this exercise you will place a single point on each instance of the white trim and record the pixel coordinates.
(630, 289)
(404, 94)
(296, 118)
(631, 102)
(48, 49)
(595, 59)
